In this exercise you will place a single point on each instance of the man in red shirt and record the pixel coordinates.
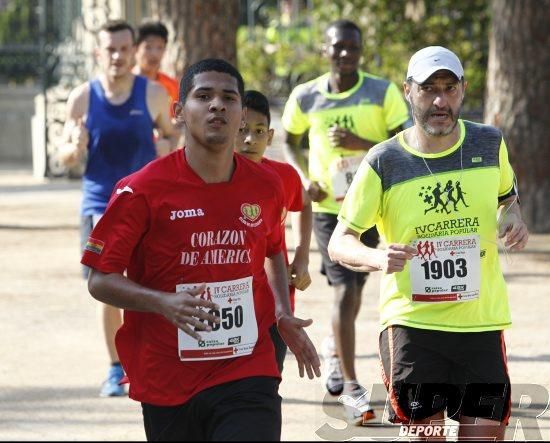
(253, 139)
(193, 229)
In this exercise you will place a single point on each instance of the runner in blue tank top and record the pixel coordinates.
(109, 125)
(120, 143)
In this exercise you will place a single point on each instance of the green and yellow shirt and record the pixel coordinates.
(370, 109)
(445, 206)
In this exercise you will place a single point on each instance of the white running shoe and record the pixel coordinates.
(333, 378)
(356, 405)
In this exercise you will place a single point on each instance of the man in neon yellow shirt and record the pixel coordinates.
(346, 112)
(435, 191)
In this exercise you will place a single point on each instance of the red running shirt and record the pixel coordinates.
(292, 188)
(167, 227)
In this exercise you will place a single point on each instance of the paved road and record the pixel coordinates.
(52, 358)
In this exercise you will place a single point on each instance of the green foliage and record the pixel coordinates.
(19, 54)
(18, 22)
(275, 59)
(27, 50)
(392, 31)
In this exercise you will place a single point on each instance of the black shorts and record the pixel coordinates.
(323, 227)
(280, 347)
(242, 410)
(428, 371)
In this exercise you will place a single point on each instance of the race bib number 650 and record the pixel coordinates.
(235, 335)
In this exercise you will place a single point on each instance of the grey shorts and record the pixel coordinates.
(87, 223)
(323, 227)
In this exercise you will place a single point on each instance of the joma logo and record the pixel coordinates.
(186, 213)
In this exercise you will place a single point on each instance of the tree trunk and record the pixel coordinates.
(518, 93)
(198, 29)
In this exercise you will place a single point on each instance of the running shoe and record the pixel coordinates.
(356, 405)
(111, 386)
(333, 378)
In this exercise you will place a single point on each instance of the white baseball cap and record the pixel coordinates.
(431, 59)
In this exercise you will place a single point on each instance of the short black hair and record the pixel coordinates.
(258, 102)
(150, 27)
(118, 25)
(345, 24)
(208, 65)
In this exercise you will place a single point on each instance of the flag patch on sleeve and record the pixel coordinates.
(94, 245)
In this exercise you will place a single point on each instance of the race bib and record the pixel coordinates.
(342, 172)
(446, 269)
(235, 335)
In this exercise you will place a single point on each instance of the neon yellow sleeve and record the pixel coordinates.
(362, 205)
(293, 119)
(396, 111)
(506, 171)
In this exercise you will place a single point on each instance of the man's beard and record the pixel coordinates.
(422, 119)
(216, 139)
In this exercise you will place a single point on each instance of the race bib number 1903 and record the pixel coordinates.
(446, 269)
(235, 335)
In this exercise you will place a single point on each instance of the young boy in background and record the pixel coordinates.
(252, 141)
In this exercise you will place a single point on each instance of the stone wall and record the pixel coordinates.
(16, 111)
